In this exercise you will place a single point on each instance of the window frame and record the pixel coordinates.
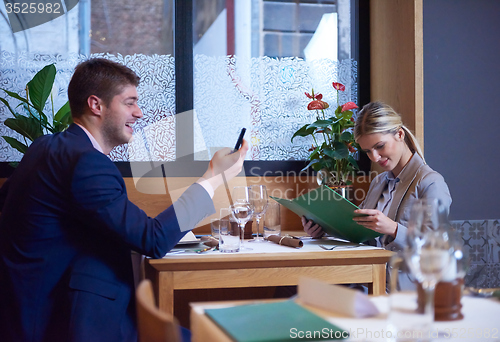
(185, 165)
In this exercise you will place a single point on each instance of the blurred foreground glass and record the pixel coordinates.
(272, 220)
(229, 238)
(449, 290)
(405, 321)
(427, 258)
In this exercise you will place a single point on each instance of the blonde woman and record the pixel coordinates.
(382, 136)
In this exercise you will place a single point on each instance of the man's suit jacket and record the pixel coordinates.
(67, 230)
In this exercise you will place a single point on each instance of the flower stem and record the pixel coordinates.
(314, 138)
(327, 140)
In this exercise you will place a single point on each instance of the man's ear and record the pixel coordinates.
(95, 105)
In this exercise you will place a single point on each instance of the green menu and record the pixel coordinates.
(332, 212)
(272, 322)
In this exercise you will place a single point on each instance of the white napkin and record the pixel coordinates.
(189, 237)
(335, 298)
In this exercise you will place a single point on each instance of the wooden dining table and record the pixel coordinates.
(268, 264)
(480, 322)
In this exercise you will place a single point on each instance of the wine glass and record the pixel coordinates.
(429, 251)
(259, 201)
(241, 210)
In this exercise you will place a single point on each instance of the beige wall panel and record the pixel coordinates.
(145, 194)
(396, 43)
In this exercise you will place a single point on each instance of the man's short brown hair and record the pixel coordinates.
(99, 77)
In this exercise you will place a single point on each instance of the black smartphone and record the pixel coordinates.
(240, 140)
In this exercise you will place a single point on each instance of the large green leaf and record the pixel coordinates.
(349, 124)
(353, 162)
(38, 115)
(346, 136)
(303, 132)
(335, 129)
(314, 153)
(27, 127)
(15, 144)
(347, 115)
(4, 101)
(16, 96)
(320, 124)
(63, 115)
(338, 110)
(334, 119)
(340, 151)
(326, 130)
(312, 162)
(40, 86)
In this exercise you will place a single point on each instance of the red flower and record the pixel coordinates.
(350, 147)
(338, 86)
(314, 96)
(348, 106)
(317, 104)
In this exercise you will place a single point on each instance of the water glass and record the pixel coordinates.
(272, 220)
(229, 238)
(214, 227)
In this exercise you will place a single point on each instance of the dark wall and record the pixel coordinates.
(462, 102)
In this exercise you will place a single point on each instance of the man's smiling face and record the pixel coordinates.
(119, 116)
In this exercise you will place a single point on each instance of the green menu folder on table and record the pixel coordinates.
(332, 212)
(273, 322)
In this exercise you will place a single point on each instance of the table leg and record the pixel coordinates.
(377, 288)
(166, 292)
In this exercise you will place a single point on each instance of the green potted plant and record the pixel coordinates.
(332, 154)
(35, 122)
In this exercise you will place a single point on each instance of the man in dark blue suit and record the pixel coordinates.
(67, 228)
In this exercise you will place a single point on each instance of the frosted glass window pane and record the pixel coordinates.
(155, 132)
(253, 61)
(145, 45)
(265, 95)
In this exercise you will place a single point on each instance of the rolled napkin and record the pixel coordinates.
(210, 241)
(286, 240)
(335, 298)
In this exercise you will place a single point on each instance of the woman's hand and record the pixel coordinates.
(314, 230)
(376, 221)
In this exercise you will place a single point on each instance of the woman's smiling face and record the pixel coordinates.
(388, 150)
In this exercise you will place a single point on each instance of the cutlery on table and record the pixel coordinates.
(329, 248)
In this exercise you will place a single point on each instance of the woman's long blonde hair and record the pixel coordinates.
(377, 117)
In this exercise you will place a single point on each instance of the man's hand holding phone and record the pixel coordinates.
(227, 160)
